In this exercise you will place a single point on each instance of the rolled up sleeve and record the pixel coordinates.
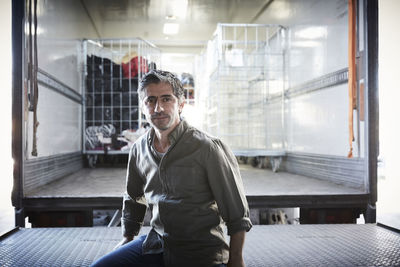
(227, 187)
(134, 203)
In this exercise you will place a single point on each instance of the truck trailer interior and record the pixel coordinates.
(289, 85)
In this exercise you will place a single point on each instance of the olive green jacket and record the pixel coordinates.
(191, 191)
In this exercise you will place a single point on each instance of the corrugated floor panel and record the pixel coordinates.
(110, 182)
(277, 245)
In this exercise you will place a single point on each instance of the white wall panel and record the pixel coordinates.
(60, 59)
(64, 20)
(319, 122)
(61, 26)
(59, 129)
(315, 50)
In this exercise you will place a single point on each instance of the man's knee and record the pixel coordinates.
(128, 254)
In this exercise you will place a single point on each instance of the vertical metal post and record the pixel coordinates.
(372, 104)
(282, 50)
(220, 36)
(234, 37)
(18, 10)
(139, 55)
(245, 37)
(102, 87)
(111, 107)
(129, 87)
(139, 75)
(84, 93)
(256, 39)
(359, 74)
(120, 84)
(93, 87)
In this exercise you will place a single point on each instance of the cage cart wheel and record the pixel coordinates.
(92, 160)
(275, 163)
(253, 161)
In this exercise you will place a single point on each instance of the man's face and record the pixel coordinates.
(161, 107)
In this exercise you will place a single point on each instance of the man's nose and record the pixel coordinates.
(158, 107)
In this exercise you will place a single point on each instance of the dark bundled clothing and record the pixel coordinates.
(102, 67)
(101, 84)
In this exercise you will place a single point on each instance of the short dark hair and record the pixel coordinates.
(157, 76)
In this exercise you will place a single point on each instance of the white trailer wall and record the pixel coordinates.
(316, 106)
(316, 92)
(315, 110)
(60, 24)
(60, 27)
(317, 122)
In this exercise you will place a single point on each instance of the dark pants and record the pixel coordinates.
(131, 254)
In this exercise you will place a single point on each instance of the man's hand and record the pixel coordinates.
(236, 262)
(123, 242)
(236, 249)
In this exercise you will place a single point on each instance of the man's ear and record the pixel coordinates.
(180, 107)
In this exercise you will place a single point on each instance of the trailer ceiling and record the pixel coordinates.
(197, 19)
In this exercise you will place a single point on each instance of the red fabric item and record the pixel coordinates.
(131, 69)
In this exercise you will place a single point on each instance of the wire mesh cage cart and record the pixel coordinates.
(246, 87)
(112, 118)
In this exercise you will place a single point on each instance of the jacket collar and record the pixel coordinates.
(174, 135)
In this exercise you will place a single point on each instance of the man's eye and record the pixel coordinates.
(166, 99)
(150, 101)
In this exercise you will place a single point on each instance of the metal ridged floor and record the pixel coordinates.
(277, 245)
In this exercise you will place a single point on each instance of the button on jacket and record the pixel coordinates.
(191, 191)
